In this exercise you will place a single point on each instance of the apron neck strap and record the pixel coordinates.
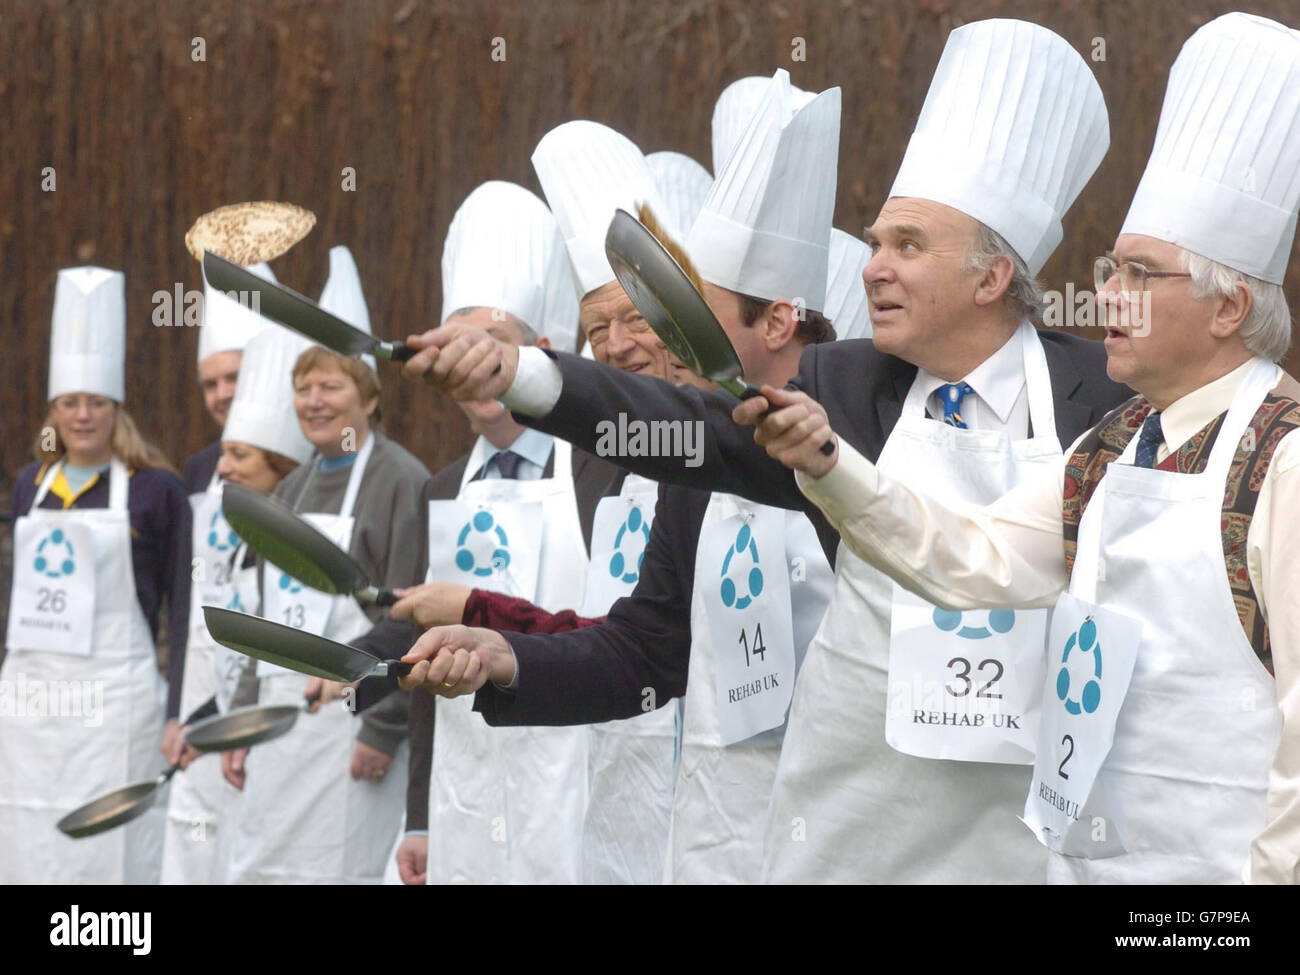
(354, 478)
(118, 488)
(1258, 383)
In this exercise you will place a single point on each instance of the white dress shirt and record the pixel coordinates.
(1011, 553)
(999, 399)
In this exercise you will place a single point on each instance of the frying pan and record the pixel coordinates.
(125, 804)
(206, 731)
(677, 312)
(290, 542)
(300, 313)
(298, 650)
(244, 727)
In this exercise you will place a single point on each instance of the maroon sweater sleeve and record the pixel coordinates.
(495, 611)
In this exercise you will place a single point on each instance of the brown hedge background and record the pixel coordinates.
(143, 139)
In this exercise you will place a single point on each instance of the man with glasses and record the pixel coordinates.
(1168, 748)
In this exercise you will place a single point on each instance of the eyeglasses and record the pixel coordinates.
(1132, 275)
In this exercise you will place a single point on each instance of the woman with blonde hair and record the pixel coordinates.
(101, 544)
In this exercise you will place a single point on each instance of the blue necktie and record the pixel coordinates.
(507, 462)
(1149, 438)
(951, 395)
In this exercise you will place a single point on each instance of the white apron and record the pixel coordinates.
(77, 724)
(201, 798)
(506, 805)
(631, 766)
(720, 806)
(1186, 778)
(847, 807)
(302, 818)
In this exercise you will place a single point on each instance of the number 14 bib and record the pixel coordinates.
(747, 602)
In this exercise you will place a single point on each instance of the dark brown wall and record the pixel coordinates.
(143, 139)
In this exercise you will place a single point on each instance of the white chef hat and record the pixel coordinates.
(683, 186)
(498, 253)
(560, 303)
(342, 294)
(1223, 180)
(587, 171)
(228, 323)
(764, 229)
(736, 106)
(262, 412)
(1013, 126)
(846, 295)
(88, 333)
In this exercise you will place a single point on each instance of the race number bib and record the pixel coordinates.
(1090, 653)
(747, 602)
(619, 535)
(53, 602)
(966, 685)
(215, 543)
(291, 602)
(490, 544)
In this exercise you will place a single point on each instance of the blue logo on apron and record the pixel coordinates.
(236, 604)
(223, 538)
(634, 525)
(754, 578)
(289, 584)
(482, 524)
(1000, 621)
(54, 564)
(1085, 641)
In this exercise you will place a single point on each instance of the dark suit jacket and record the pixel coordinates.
(600, 673)
(593, 479)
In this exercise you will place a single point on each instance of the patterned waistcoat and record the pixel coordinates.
(1277, 416)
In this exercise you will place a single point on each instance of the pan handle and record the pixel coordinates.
(204, 710)
(394, 351)
(750, 392)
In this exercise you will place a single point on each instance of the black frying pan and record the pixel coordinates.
(296, 649)
(123, 805)
(290, 542)
(300, 313)
(677, 312)
(206, 731)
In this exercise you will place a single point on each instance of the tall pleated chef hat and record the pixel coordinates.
(683, 187)
(343, 296)
(587, 171)
(560, 300)
(1013, 126)
(736, 106)
(846, 295)
(88, 333)
(262, 412)
(765, 227)
(1223, 180)
(499, 253)
(228, 323)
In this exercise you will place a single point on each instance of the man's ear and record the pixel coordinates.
(993, 283)
(1231, 312)
(780, 322)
